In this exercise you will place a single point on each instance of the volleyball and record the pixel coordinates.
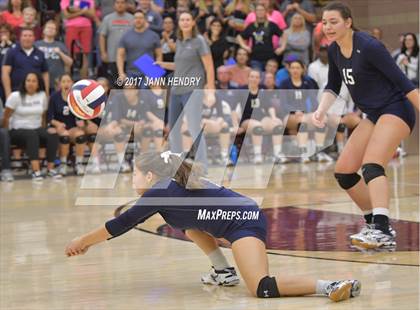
(87, 99)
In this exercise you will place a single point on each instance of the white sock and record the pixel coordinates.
(120, 157)
(218, 260)
(340, 146)
(63, 160)
(257, 149)
(381, 211)
(277, 149)
(79, 159)
(367, 212)
(321, 286)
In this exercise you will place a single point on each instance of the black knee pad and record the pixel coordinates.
(278, 130)
(302, 127)
(158, 133)
(64, 139)
(120, 138)
(224, 130)
(320, 130)
(81, 139)
(147, 133)
(371, 171)
(347, 180)
(91, 138)
(258, 131)
(341, 128)
(187, 133)
(267, 288)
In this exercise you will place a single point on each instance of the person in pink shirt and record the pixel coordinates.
(79, 15)
(240, 71)
(273, 16)
(13, 15)
(318, 39)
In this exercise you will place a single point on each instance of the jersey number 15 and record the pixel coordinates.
(348, 78)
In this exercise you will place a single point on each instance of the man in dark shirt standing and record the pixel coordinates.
(21, 60)
(261, 34)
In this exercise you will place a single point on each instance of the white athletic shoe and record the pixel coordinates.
(373, 238)
(62, 169)
(322, 157)
(225, 277)
(125, 167)
(94, 169)
(80, 169)
(342, 290)
(281, 159)
(305, 159)
(7, 176)
(258, 159)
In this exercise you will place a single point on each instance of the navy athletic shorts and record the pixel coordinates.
(250, 228)
(403, 110)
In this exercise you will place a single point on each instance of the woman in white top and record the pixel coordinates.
(25, 116)
(408, 59)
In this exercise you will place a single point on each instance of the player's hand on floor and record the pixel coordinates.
(75, 247)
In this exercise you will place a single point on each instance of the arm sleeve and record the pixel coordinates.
(44, 66)
(276, 30)
(51, 110)
(121, 44)
(334, 77)
(13, 101)
(135, 215)
(9, 59)
(203, 47)
(380, 58)
(246, 34)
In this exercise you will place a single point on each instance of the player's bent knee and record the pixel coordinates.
(267, 288)
(258, 131)
(278, 130)
(91, 138)
(347, 180)
(64, 139)
(148, 133)
(81, 139)
(372, 171)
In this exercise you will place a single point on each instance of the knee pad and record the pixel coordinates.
(91, 138)
(224, 130)
(158, 133)
(278, 130)
(64, 139)
(302, 127)
(147, 133)
(267, 288)
(371, 171)
(341, 128)
(186, 133)
(81, 139)
(120, 138)
(320, 130)
(258, 131)
(347, 180)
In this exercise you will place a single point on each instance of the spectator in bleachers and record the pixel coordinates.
(377, 33)
(168, 39)
(6, 173)
(29, 21)
(55, 53)
(216, 39)
(397, 51)
(153, 18)
(236, 13)
(261, 34)
(14, 14)
(240, 71)
(223, 78)
(135, 43)
(269, 81)
(303, 7)
(408, 59)
(25, 115)
(112, 29)
(283, 73)
(270, 67)
(108, 6)
(318, 39)
(208, 9)
(296, 39)
(22, 59)
(66, 125)
(7, 40)
(78, 15)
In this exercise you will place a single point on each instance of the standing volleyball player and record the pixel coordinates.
(383, 92)
(162, 180)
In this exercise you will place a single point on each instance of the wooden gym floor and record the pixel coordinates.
(309, 220)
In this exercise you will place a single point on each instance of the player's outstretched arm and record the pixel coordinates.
(80, 245)
(318, 117)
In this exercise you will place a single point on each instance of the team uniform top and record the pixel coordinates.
(59, 110)
(299, 98)
(153, 103)
(112, 112)
(254, 107)
(374, 80)
(162, 198)
(219, 109)
(126, 110)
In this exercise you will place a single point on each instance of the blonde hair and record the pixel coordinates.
(232, 6)
(302, 27)
(202, 4)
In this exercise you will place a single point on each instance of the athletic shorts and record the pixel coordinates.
(81, 34)
(403, 110)
(251, 228)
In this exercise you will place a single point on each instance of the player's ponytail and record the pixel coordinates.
(344, 11)
(171, 165)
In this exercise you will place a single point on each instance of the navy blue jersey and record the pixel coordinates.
(254, 107)
(153, 103)
(129, 111)
(59, 110)
(181, 207)
(371, 74)
(213, 112)
(299, 98)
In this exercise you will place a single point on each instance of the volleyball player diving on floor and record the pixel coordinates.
(382, 91)
(169, 187)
